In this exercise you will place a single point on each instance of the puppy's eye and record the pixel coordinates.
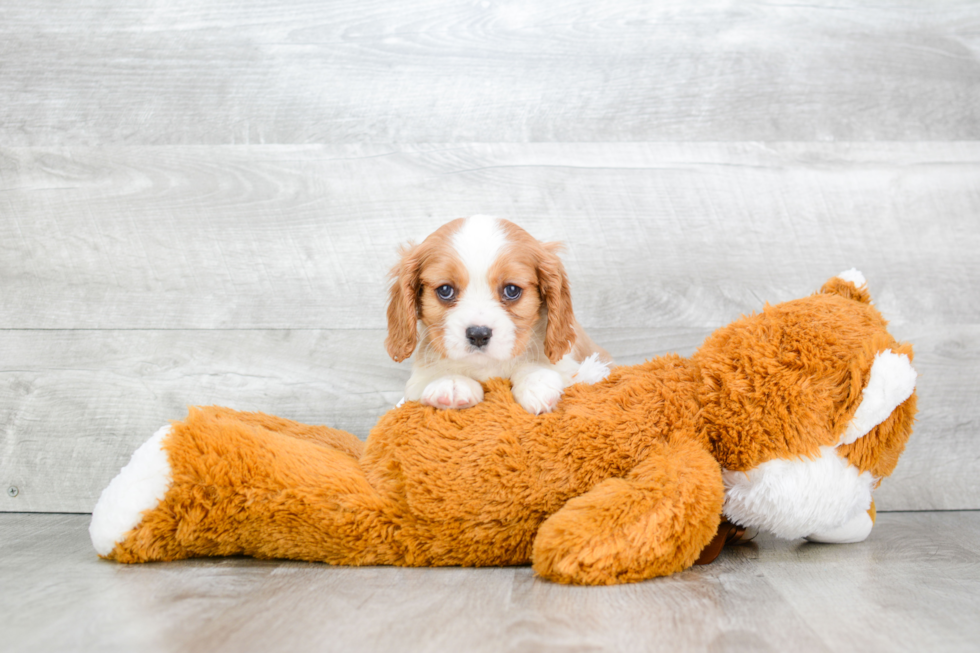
(446, 292)
(511, 292)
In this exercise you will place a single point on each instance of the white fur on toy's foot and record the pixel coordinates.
(138, 487)
(795, 498)
(892, 382)
(455, 391)
(539, 391)
(854, 276)
(591, 370)
(854, 530)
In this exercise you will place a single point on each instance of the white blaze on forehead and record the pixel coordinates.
(479, 243)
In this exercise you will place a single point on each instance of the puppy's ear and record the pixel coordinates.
(403, 305)
(553, 283)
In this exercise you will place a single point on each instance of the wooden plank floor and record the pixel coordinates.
(913, 586)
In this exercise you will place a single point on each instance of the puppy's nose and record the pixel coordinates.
(478, 335)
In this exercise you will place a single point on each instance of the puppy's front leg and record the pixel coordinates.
(537, 388)
(455, 391)
(449, 391)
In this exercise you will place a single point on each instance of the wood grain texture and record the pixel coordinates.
(913, 586)
(74, 405)
(495, 71)
(681, 234)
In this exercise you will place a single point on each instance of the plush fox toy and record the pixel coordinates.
(783, 421)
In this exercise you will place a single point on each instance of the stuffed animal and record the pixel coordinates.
(783, 421)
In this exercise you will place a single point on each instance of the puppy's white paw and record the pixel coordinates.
(452, 392)
(539, 391)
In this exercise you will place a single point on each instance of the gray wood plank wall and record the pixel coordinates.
(308, 71)
(199, 201)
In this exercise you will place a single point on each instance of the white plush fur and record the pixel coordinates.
(854, 530)
(794, 498)
(854, 276)
(138, 487)
(892, 382)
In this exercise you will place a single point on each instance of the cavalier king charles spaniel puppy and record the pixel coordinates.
(481, 298)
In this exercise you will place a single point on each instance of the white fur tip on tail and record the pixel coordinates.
(854, 276)
(591, 370)
(138, 487)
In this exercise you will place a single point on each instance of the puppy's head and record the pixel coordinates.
(479, 285)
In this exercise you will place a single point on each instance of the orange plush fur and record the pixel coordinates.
(622, 482)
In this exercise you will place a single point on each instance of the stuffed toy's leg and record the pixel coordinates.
(653, 522)
(227, 483)
(828, 498)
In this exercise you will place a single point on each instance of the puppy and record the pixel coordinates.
(481, 298)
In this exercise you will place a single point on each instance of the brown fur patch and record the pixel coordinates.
(518, 266)
(412, 297)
